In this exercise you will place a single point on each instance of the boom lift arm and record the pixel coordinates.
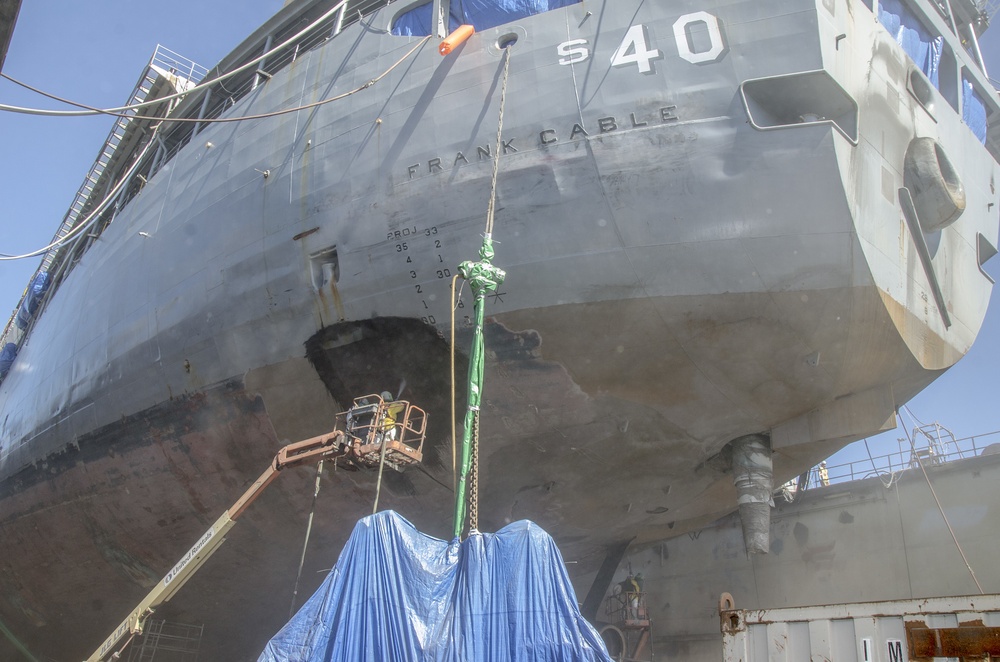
(361, 443)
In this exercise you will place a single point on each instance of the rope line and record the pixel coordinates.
(454, 450)
(111, 195)
(197, 88)
(94, 215)
(219, 120)
(17, 643)
(118, 654)
(305, 543)
(381, 465)
(947, 523)
(877, 473)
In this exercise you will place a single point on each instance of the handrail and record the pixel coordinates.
(936, 452)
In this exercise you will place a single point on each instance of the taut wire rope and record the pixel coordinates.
(94, 215)
(218, 120)
(103, 204)
(483, 278)
(941, 510)
(197, 88)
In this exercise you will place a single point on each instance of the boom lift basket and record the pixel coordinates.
(371, 421)
(373, 431)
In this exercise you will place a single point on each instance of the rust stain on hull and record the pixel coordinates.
(931, 350)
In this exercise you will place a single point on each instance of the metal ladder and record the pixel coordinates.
(162, 61)
(939, 442)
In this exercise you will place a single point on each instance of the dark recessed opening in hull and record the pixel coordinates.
(401, 355)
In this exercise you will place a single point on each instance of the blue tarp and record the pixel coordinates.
(481, 14)
(417, 22)
(7, 356)
(911, 34)
(32, 299)
(397, 595)
(973, 110)
(485, 14)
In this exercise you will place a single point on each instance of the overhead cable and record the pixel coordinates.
(197, 88)
(218, 120)
(95, 214)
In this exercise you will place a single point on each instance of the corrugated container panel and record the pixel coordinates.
(895, 631)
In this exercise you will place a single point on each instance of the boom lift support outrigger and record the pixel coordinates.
(374, 431)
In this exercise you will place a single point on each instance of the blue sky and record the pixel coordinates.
(93, 52)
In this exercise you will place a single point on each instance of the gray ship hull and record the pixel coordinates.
(678, 278)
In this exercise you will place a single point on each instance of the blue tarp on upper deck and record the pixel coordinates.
(925, 49)
(32, 299)
(397, 594)
(485, 14)
(974, 109)
(7, 356)
(481, 14)
(910, 33)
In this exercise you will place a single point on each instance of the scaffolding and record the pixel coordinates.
(167, 642)
(628, 635)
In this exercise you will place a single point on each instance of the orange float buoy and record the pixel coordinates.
(456, 39)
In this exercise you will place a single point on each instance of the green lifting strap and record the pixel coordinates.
(483, 278)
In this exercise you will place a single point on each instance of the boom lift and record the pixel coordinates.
(630, 629)
(372, 432)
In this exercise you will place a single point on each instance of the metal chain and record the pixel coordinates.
(474, 478)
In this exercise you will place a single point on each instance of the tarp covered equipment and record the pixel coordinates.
(481, 14)
(7, 356)
(32, 299)
(399, 595)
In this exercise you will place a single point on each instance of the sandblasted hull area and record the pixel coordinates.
(101, 536)
(89, 532)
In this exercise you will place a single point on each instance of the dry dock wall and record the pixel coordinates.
(850, 542)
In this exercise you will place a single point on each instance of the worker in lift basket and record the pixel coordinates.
(392, 411)
(824, 477)
(628, 592)
(636, 594)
